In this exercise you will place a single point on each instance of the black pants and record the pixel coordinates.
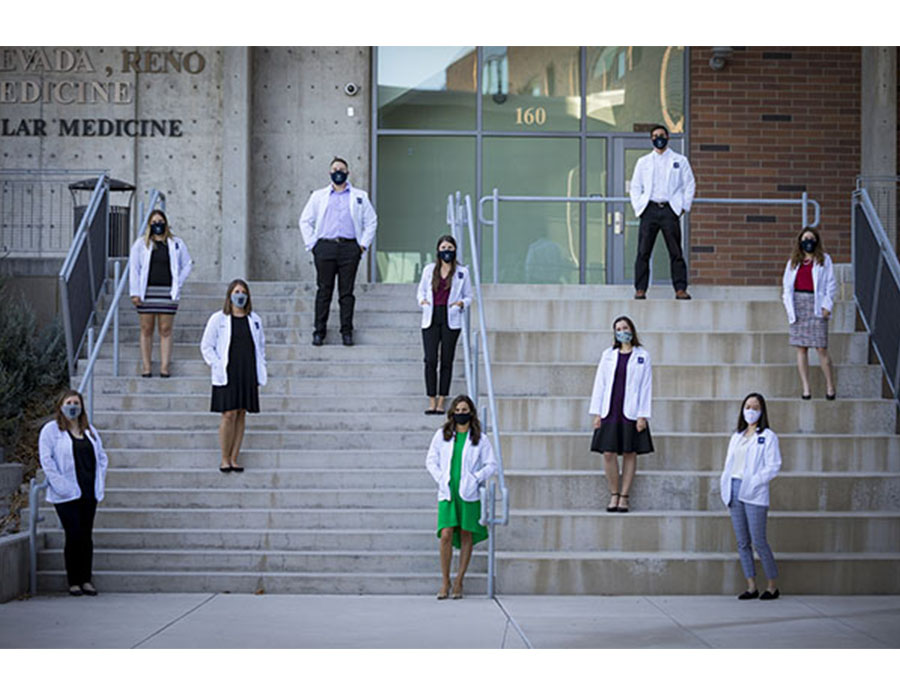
(77, 518)
(439, 334)
(653, 219)
(332, 259)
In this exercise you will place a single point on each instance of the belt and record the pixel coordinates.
(338, 239)
(661, 205)
(804, 291)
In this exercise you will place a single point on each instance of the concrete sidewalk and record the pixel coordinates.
(120, 620)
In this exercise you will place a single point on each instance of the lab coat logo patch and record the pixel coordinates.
(761, 440)
(641, 361)
(459, 275)
(359, 200)
(676, 165)
(257, 325)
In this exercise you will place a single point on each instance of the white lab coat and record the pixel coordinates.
(460, 290)
(217, 340)
(479, 463)
(680, 184)
(638, 384)
(761, 465)
(58, 462)
(180, 265)
(365, 221)
(824, 286)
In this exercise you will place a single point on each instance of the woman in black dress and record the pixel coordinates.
(234, 347)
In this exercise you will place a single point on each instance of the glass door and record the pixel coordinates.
(623, 223)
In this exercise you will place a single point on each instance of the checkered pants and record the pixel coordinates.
(749, 523)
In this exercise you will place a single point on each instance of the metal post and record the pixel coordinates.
(474, 396)
(490, 526)
(496, 198)
(32, 537)
(116, 272)
(90, 388)
(805, 209)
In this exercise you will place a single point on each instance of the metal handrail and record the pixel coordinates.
(495, 199)
(460, 217)
(86, 385)
(34, 489)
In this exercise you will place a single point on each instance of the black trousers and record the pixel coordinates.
(332, 259)
(439, 334)
(77, 518)
(654, 219)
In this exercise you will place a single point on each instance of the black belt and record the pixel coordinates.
(338, 239)
(804, 291)
(661, 205)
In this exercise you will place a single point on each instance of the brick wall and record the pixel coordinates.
(776, 121)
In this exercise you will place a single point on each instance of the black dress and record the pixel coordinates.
(242, 390)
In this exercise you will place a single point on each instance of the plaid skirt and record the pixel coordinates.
(158, 299)
(808, 330)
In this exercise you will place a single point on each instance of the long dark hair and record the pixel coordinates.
(63, 422)
(474, 424)
(226, 309)
(436, 274)
(763, 422)
(798, 254)
(634, 337)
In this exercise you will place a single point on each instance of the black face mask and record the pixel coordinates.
(338, 177)
(462, 419)
(660, 142)
(447, 255)
(157, 228)
(809, 245)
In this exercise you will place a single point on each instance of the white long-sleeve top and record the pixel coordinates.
(638, 384)
(460, 290)
(762, 461)
(180, 265)
(58, 463)
(217, 340)
(479, 463)
(824, 287)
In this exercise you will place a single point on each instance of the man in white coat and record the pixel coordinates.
(662, 189)
(338, 224)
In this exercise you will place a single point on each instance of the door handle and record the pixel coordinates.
(617, 223)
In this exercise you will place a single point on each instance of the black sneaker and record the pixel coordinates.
(347, 339)
(770, 595)
(318, 339)
(749, 595)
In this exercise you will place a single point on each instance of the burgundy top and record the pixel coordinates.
(804, 282)
(442, 293)
(617, 399)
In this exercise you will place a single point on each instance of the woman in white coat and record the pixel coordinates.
(444, 292)
(460, 459)
(234, 346)
(74, 464)
(753, 460)
(620, 403)
(808, 290)
(157, 268)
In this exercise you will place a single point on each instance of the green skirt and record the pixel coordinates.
(463, 515)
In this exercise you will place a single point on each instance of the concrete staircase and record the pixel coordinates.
(335, 498)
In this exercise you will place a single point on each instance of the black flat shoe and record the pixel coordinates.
(165, 375)
(613, 509)
(770, 595)
(225, 469)
(75, 591)
(318, 340)
(147, 375)
(806, 397)
(347, 339)
(749, 595)
(88, 589)
(830, 397)
(237, 469)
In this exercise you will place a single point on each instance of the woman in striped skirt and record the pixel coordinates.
(158, 266)
(808, 291)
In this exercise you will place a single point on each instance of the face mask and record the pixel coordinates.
(71, 411)
(158, 228)
(447, 255)
(752, 416)
(809, 245)
(660, 142)
(238, 299)
(338, 177)
(624, 337)
(462, 419)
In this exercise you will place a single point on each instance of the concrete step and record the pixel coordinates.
(10, 477)
(196, 321)
(411, 384)
(687, 415)
(301, 302)
(225, 497)
(691, 573)
(268, 560)
(405, 346)
(363, 335)
(699, 491)
(282, 460)
(360, 480)
(814, 532)
(320, 583)
(706, 452)
(282, 440)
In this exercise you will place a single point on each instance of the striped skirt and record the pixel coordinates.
(158, 299)
(808, 330)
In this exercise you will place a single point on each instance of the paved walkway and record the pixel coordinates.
(197, 620)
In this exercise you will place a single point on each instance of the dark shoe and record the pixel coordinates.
(682, 294)
(613, 509)
(457, 593)
(165, 375)
(88, 589)
(75, 590)
(640, 294)
(830, 397)
(318, 339)
(347, 339)
(770, 595)
(749, 595)
(622, 509)
(434, 411)
(443, 594)
(237, 469)
(806, 397)
(225, 469)
(147, 375)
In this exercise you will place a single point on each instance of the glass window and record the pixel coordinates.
(631, 87)
(538, 242)
(596, 255)
(531, 89)
(415, 176)
(426, 87)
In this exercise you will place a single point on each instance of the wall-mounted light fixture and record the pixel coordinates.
(720, 56)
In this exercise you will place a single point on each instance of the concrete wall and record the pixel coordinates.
(14, 566)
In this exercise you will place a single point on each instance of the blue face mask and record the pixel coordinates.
(239, 299)
(338, 177)
(660, 142)
(447, 255)
(623, 337)
(809, 245)
(158, 227)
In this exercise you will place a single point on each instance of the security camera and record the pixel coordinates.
(351, 88)
(720, 56)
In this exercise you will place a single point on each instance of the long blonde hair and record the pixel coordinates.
(168, 234)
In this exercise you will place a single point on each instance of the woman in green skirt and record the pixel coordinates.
(460, 460)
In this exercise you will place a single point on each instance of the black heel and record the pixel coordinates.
(613, 509)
